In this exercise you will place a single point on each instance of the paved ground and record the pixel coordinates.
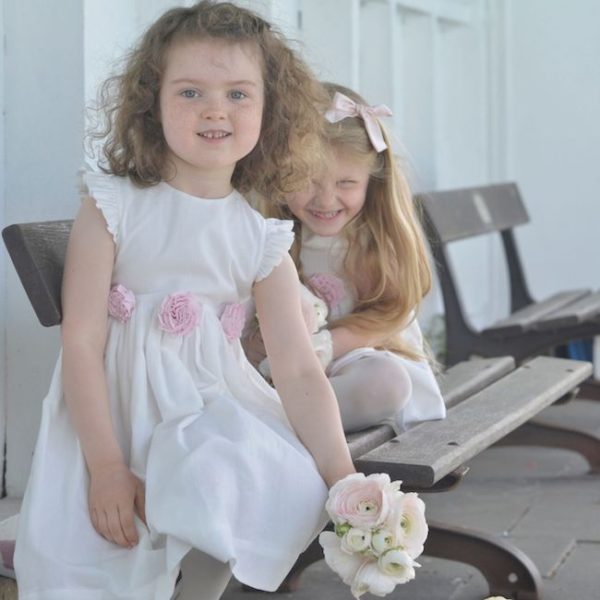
(544, 501)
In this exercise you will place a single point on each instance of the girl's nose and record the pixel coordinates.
(324, 194)
(213, 109)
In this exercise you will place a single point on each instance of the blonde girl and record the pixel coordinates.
(157, 437)
(359, 246)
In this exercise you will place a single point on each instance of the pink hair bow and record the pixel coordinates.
(343, 107)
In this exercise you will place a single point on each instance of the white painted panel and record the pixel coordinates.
(43, 133)
(376, 57)
(554, 145)
(462, 135)
(416, 87)
(331, 39)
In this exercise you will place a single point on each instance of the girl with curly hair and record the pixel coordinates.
(157, 437)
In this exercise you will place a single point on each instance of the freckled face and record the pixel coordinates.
(211, 105)
(330, 203)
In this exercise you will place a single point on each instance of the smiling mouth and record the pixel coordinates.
(325, 216)
(213, 135)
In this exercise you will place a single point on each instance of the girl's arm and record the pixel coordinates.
(88, 266)
(306, 394)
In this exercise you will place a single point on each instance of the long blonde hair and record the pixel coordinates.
(291, 135)
(385, 240)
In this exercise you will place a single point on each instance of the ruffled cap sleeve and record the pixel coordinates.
(103, 189)
(278, 240)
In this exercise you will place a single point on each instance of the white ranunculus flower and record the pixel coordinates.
(382, 540)
(408, 524)
(356, 540)
(369, 578)
(397, 564)
(340, 562)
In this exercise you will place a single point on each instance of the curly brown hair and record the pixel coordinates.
(290, 144)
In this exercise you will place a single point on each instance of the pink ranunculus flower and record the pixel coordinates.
(363, 502)
(179, 313)
(233, 320)
(121, 302)
(329, 287)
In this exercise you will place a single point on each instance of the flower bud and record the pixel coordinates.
(356, 540)
(381, 541)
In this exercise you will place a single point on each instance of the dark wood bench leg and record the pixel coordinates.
(590, 390)
(552, 436)
(508, 571)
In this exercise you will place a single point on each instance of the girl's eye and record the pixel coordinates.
(237, 95)
(346, 182)
(189, 93)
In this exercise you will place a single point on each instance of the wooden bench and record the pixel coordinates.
(486, 400)
(532, 327)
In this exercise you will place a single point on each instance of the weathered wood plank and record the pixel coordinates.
(38, 253)
(423, 455)
(471, 376)
(464, 213)
(586, 308)
(456, 383)
(526, 318)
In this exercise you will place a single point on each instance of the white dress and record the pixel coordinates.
(325, 255)
(223, 469)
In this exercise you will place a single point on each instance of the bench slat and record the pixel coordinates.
(584, 309)
(456, 383)
(471, 376)
(524, 319)
(425, 454)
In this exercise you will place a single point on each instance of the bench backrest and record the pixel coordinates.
(38, 254)
(452, 215)
(464, 213)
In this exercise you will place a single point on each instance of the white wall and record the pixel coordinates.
(43, 100)
(554, 138)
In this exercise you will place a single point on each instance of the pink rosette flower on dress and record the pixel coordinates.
(179, 313)
(121, 302)
(329, 287)
(233, 320)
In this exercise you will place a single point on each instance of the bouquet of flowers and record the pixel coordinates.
(379, 532)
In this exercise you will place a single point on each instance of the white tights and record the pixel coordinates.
(371, 389)
(203, 577)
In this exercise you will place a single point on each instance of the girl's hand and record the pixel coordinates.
(115, 494)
